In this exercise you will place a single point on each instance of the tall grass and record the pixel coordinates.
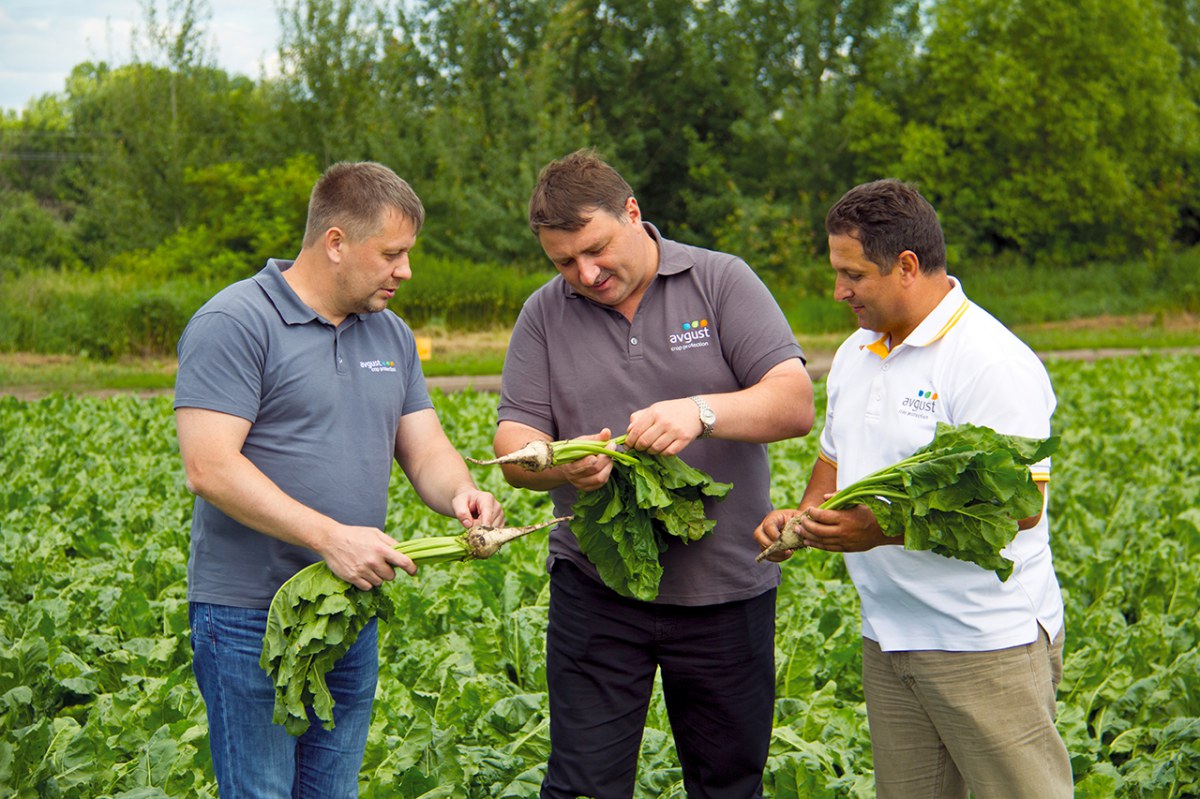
(101, 315)
(109, 315)
(1019, 293)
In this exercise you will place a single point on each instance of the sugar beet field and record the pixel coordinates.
(97, 697)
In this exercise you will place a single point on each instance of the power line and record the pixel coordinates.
(34, 155)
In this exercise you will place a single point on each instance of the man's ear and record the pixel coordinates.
(333, 239)
(633, 211)
(909, 265)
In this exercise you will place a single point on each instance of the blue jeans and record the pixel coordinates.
(255, 758)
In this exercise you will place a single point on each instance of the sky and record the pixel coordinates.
(42, 40)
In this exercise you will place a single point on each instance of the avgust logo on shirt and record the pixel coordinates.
(922, 405)
(378, 366)
(692, 334)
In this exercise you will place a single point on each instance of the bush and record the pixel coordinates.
(111, 314)
(1019, 292)
(465, 296)
(102, 315)
(32, 237)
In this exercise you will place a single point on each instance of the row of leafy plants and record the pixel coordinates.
(97, 697)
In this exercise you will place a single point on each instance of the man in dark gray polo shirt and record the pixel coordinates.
(296, 390)
(684, 350)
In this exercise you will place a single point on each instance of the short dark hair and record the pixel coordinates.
(354, 195)
(888, 217)
(571, 189)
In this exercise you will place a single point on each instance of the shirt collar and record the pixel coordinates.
(291, 309)
(672, 258)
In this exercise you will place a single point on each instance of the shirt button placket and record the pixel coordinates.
(636, 349)
(339, 362)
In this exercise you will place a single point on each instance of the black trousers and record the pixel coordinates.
(718, 678)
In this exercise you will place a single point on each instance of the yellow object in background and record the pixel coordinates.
(424, 347)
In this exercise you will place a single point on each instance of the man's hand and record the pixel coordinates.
(588, 474)
(363, 556)
(664, 428)
(849, 530)
(769, 530)
(472, 507)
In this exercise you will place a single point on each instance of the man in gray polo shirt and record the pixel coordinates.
(684, 350)
(296, 390)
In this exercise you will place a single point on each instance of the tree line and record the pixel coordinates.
(1052, 131)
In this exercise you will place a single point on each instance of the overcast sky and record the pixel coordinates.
(42, 40)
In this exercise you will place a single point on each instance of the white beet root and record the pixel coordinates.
(485, 541)
(789, 538)
(536, 456)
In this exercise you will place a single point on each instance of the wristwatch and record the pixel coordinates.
(707, 417)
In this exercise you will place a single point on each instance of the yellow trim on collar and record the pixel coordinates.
(880, 347)
(962, 309)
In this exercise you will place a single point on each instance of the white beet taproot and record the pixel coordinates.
(538, 456)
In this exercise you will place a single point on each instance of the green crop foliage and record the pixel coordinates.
(97, 698)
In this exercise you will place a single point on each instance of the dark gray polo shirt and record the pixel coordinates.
(325, 405)
(706, 325)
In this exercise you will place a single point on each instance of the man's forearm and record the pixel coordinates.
(777, 407)
(240, 490)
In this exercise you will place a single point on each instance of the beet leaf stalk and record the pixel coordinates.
(316, 616)
(960, 496)
(625, 525)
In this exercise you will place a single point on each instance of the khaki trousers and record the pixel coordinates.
(943, 723)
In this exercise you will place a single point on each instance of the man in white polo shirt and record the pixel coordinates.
(959, 668)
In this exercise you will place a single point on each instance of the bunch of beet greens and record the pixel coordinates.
(625, 525)
(961, 495)
(316, 616)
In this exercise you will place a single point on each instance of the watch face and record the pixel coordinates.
(707, 416)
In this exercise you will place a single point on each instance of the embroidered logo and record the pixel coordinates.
(695, 333)
(378, 366)
(923, 405)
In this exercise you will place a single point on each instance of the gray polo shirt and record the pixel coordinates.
(325, 404)
(705, 325)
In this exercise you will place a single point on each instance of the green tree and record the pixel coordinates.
(1182, 20)
(819, 62)
(239, 218)
(455, 95)
(493, 116)
(1053, 127)
(331, 90)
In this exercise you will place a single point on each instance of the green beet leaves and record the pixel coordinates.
(624, 526)
(960, 496)
(314, 619)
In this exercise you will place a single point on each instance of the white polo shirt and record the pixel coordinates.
(960, 365)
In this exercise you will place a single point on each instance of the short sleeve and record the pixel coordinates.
(220, 366)
(755, 335)
(416, 393)
(525, 395)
